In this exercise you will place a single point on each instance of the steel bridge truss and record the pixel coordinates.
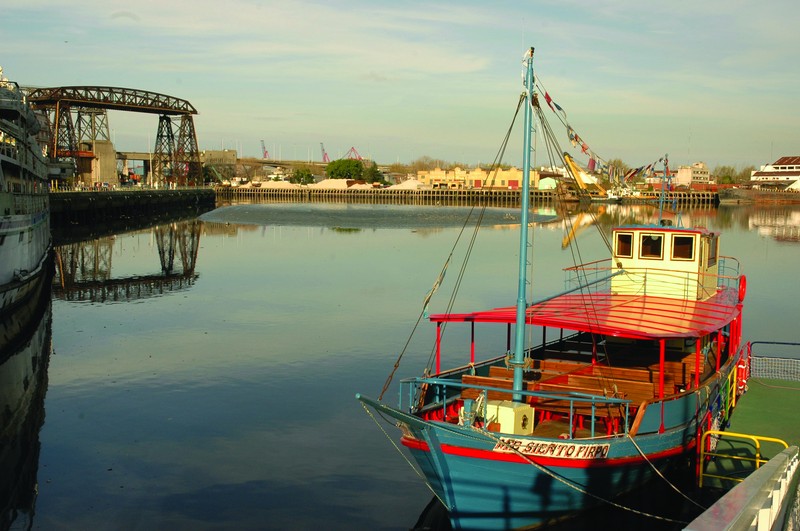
(78, 115)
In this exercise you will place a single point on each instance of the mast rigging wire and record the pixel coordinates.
(493, 170)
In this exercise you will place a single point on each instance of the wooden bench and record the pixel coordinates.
(680, 371)
(536, 374)
(471, 393)
(626, 373)
(548, 407)
(582, 411)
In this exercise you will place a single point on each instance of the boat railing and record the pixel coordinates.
(597, 273)
(603, 276)
(445, 391)
(729, 269)
(708, 450)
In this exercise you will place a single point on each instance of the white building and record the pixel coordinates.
(697, 173)
(783, 174)
(686, 176)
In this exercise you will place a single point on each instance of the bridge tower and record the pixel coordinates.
(176, 161)
(189, 169)
(163, 153)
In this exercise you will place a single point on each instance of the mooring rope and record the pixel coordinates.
(657, 471)
(391, 440)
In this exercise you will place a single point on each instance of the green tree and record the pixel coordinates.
(302, 176)
(372, 174)
(399, 167)
(345, 169)
(423, 163)
(620, 166)
(744, 174)
(724, 174)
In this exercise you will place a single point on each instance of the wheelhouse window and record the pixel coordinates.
(624, 245)
(713, 244)
(683, 247)
(651, 246)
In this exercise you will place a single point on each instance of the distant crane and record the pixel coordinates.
(325, 157)
(264, 150)
(353, 154)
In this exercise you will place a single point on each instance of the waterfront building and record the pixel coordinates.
(696, 174)
(685, 176)
(783, 174)
(458, 178)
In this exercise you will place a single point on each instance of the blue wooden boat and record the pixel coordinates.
(630, 366)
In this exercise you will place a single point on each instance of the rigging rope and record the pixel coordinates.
(493, 169)
(391, 440)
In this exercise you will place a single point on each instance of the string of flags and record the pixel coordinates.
(596, 163)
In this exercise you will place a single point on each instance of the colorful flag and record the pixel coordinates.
(549, 101)
(592, 164)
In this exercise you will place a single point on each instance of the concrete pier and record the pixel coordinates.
(101, 206)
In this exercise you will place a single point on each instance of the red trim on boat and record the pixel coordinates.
(414, 444)
(490, 455)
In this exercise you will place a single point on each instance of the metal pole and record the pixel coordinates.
(522, 305)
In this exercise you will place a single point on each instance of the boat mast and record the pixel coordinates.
(518, 361)
(664, 185)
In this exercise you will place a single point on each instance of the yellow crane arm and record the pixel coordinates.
(578, 173)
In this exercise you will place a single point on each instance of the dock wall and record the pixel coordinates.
(98, 207)
(465, 197)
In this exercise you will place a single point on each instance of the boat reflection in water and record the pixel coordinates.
(25, 346)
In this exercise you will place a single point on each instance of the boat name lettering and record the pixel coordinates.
(552, 449)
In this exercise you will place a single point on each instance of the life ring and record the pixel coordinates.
(742, 287)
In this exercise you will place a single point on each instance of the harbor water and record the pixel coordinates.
(201, 374)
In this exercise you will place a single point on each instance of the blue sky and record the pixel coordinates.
(714, 81)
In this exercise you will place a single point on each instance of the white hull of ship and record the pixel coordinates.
(24, 247)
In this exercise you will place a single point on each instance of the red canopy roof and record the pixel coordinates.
(632, 316)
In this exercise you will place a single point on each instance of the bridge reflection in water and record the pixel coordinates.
(83, 270)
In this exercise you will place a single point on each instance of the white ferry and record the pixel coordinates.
(24, 205)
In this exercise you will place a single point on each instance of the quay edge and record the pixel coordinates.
(98, 206)
(500, 198)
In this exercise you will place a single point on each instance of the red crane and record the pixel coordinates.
(353, 154)
(325, 157)
(265, 153)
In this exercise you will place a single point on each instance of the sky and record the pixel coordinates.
(713, 81)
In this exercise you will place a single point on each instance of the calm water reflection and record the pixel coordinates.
(203, 372)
